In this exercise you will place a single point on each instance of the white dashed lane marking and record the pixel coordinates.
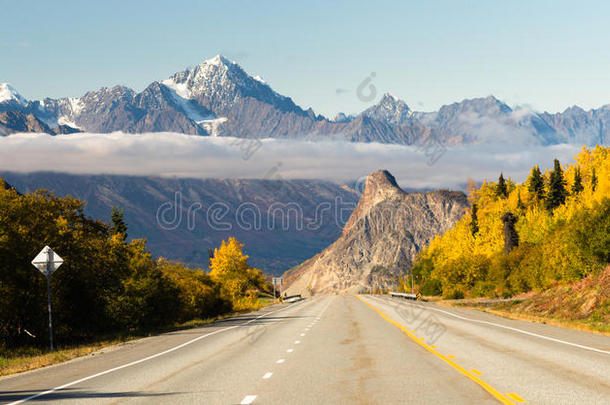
(248, 399)
(267, 375)
(280, 361)
(289, 350)
(296, 342)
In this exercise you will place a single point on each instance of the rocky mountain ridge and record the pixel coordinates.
(385, 231)
(218, 98)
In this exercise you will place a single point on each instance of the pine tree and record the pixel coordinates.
(501, 190)
(118, 223)
(577, 186)
(474, 220)
(535, 184)
(511, 237)
(520, 205)
(593, 180)
(557, 188)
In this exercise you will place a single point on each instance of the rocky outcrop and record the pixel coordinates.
(19, 121)
(381, 238)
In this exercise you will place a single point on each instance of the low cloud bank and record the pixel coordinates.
(171, 154)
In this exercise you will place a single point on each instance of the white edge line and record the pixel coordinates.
(133, 363)
(593, 349)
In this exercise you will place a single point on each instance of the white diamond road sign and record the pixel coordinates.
(47, 261)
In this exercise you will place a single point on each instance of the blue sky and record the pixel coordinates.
(548, 54)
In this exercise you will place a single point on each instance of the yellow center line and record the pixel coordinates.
(505, 399)
(515, 397)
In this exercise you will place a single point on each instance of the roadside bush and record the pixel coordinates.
(484, 289)
(431, 287)
(149, 299)
(199, 296)
(455, 293)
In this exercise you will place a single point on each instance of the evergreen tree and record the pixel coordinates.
(474, 220)
(557, 188)
(520, 205)
(535, 184)
(593, 180)
(577, 186)
(118, 223)
(511, 238)
(501, 190)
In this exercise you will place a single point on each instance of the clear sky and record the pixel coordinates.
(548, 54)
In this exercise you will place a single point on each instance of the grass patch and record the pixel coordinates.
(582, 305)
(28, 358)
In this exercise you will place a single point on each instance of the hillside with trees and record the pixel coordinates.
(553, 229)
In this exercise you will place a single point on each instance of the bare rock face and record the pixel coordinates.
(381, 238)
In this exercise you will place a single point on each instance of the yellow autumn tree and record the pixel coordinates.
(229, 267)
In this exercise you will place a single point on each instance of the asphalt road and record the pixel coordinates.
(337, 350)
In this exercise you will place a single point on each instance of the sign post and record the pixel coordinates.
(47, 262)
(279, 281)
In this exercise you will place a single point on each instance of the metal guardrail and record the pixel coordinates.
(292, 298)
(408, 296)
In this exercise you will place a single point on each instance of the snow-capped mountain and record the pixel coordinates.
(390, 109)
(10, 96)
(218, 98)
(488, 119)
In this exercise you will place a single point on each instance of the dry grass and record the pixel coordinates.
(562, 323)
(19, 360)
(582, 305)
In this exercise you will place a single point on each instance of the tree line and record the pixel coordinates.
(553, 228)
(107, 283)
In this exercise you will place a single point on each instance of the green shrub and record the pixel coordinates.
(431, 287)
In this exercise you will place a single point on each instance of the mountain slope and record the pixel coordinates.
(379, 241)
(281, 223)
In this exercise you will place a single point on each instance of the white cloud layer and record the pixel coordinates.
(171, 154)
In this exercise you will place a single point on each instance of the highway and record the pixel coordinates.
(337, 350)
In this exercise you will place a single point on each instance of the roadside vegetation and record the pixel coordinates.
(546, 236)
(109, 289)
(582, 305)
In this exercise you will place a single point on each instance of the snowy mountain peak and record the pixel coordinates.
(8, 93)
(390, 99)
(391, 96)
(219, 60)
(390, 109)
